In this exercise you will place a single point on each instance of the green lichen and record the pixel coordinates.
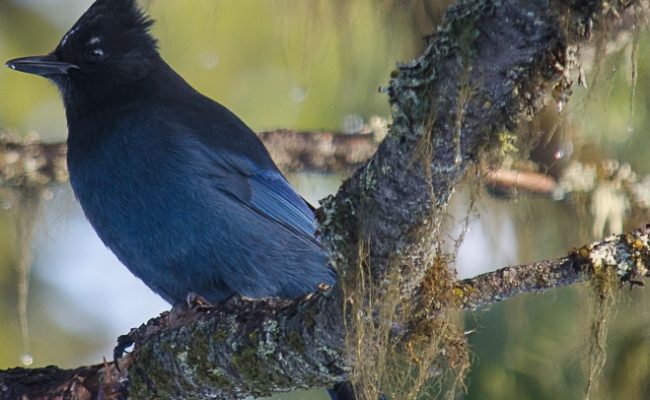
(220, 335)
(296, 342)
(257, 371)
(309, 318)
(507, 143)
(139, 378)
(267, 345)
(245, 363)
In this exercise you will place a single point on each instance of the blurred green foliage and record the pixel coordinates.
(281, 63)
(307, 65)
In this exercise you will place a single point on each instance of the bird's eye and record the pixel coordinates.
(95, 55)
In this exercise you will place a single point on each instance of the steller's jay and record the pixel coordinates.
(176, 185)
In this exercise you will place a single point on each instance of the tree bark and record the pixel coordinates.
(489, 66)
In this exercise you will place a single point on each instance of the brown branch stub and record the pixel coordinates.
(521, 181)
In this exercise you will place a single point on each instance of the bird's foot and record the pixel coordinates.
(135, 338)
(197, 303)
(194, 304)
(179, 314)
(123, 343)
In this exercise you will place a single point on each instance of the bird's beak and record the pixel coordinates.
(47, 66)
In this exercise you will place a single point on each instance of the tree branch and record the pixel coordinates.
(470, 85)
(32, 163)
(256, 347)
(628, 255)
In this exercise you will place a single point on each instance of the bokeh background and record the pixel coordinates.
(309, 65)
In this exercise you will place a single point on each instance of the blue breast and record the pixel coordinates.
(184, 217)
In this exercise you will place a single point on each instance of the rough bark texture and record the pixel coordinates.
(243, 349)
(491, 64)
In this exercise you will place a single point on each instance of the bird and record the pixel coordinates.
(177, 186)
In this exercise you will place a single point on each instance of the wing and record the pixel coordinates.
(266, 192)
(241, 167)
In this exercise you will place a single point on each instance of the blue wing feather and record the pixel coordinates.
(267, 192)
(243, 169)
(272, 195)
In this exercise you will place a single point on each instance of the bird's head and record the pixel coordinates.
(109, 47)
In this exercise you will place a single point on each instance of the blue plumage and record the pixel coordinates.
(176, 185)
(188, 217)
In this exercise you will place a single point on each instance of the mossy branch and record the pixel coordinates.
(626, 255)
(246, 347)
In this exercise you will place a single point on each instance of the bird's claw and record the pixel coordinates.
(197, 303)
(123, 343)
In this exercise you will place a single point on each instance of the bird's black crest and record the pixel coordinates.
(120, 16)
(127, 13)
